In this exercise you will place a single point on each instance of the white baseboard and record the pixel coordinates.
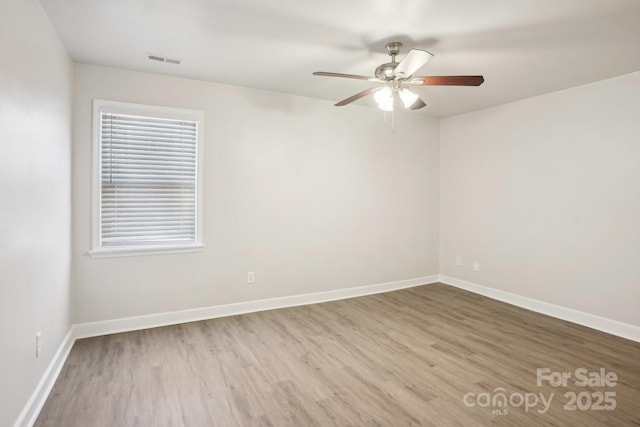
(39, 396)
(603, 324)
(37, 400)
(92, 329)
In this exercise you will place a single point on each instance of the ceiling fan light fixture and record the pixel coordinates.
(387, 106)
(384, 99)
(408, 97)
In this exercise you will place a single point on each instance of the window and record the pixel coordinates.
(146, 179)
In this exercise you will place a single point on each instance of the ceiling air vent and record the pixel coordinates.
(161, 58)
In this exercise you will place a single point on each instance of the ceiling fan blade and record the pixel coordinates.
(411, 63)
(446, 80)
(346, 76)
(359, 95)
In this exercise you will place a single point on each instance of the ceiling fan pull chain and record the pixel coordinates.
(393, 121)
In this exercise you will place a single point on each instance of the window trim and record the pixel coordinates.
(100, 105)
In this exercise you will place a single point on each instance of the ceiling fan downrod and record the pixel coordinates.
(393, 49)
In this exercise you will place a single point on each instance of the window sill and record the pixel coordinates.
(144, 250)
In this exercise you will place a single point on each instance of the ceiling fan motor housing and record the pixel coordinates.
(385, 71)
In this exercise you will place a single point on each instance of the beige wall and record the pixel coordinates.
(309, 196)
(545, 194)
(35, 199)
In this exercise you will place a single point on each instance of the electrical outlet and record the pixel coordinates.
(476, 266)
(458, 261)
(251, 278)
(38, 343)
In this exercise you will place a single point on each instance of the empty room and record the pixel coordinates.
(286, 213)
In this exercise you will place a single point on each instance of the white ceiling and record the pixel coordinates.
(522, 47)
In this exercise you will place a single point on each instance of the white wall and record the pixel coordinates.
(545, 194)
(35, 202)
(309, 196)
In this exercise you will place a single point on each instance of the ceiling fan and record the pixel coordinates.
(398, 76)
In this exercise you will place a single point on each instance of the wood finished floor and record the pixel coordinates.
(401, 358)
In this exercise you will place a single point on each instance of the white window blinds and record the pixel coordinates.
(148, 180)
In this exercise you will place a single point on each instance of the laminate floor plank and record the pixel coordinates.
(402, 358)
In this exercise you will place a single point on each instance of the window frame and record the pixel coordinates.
(100, 106)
